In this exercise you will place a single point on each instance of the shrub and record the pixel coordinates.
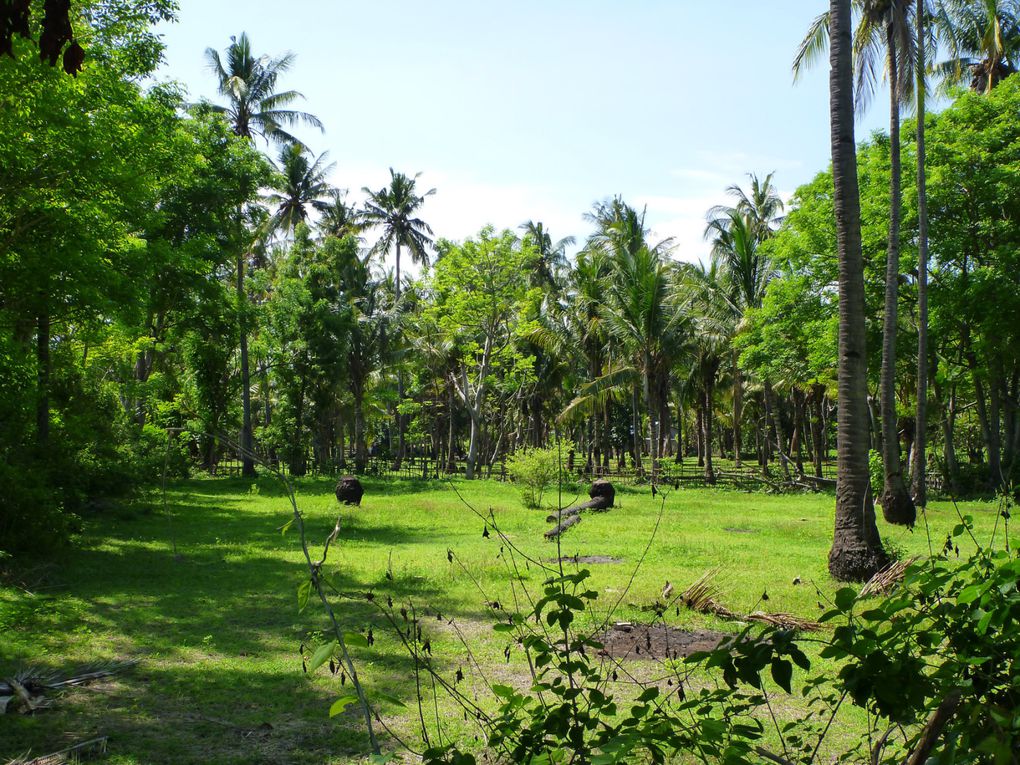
(535, 470)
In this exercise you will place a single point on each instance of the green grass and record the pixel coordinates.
(217, 631)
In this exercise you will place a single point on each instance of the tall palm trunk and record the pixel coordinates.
(400, 383)
(247, 463)
(653, 433)
(775, 421)
(636, 425)
(918, 468)
(706, 422)
(856, 547)
(897, 507)
(738, 411)
(360, 445)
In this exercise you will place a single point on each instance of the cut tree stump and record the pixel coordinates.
(349, 491)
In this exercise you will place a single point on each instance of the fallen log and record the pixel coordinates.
(555, 532)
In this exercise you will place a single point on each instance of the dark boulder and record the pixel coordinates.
(349, 491)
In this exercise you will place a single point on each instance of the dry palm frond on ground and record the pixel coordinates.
(887, 578)
(30, 689)
(702, 597)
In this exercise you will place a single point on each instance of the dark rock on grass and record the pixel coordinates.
(349, 491)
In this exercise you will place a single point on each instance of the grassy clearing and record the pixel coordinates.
(217, 631)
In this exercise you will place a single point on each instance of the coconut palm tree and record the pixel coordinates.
(884, 30)
(639, 314)
(983, 41)
(707, 298)
(338, 218)
(393, 209)
(254, 108)
(365, 299)
(637, 310)
(552, 257)
(919, 458)
(856, 547)
(302, 186)
(736, 233)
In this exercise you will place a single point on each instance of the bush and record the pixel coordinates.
(535, 470)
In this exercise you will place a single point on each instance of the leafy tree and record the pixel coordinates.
(480, 296)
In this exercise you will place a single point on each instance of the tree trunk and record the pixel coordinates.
(775, 422)
(700, 426)
(247, 445)
(636, 426)
(919, 487)
(707, 424)
(473, 444)
(897, 506)
(738, 412)
(856, 552)
(42, 406)
(360, 445)
(400, 381)
(798, 439)
(653, 433)
(818, 425)
(952, 475)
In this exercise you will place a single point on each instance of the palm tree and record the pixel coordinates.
(338, 218)
(640, 315)
(302, 185)
(637, 310)
(856, 547)
(365, 301)
(707, 299)
(918, 485)
(254, 108)
(884, 27)
(393, 209)
(736, 233)
(983, 41)
(552, 258)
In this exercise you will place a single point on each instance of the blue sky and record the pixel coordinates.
(535, 110)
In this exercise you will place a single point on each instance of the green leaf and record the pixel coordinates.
(970, 594)
(338, 706)
(845, 598)
(304, 591)
(390, 699)
(322, 653)
(355, 639)
(782, 673)
(503, 691)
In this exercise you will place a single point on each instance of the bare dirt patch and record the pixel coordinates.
(656, 642)
(586, 559)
